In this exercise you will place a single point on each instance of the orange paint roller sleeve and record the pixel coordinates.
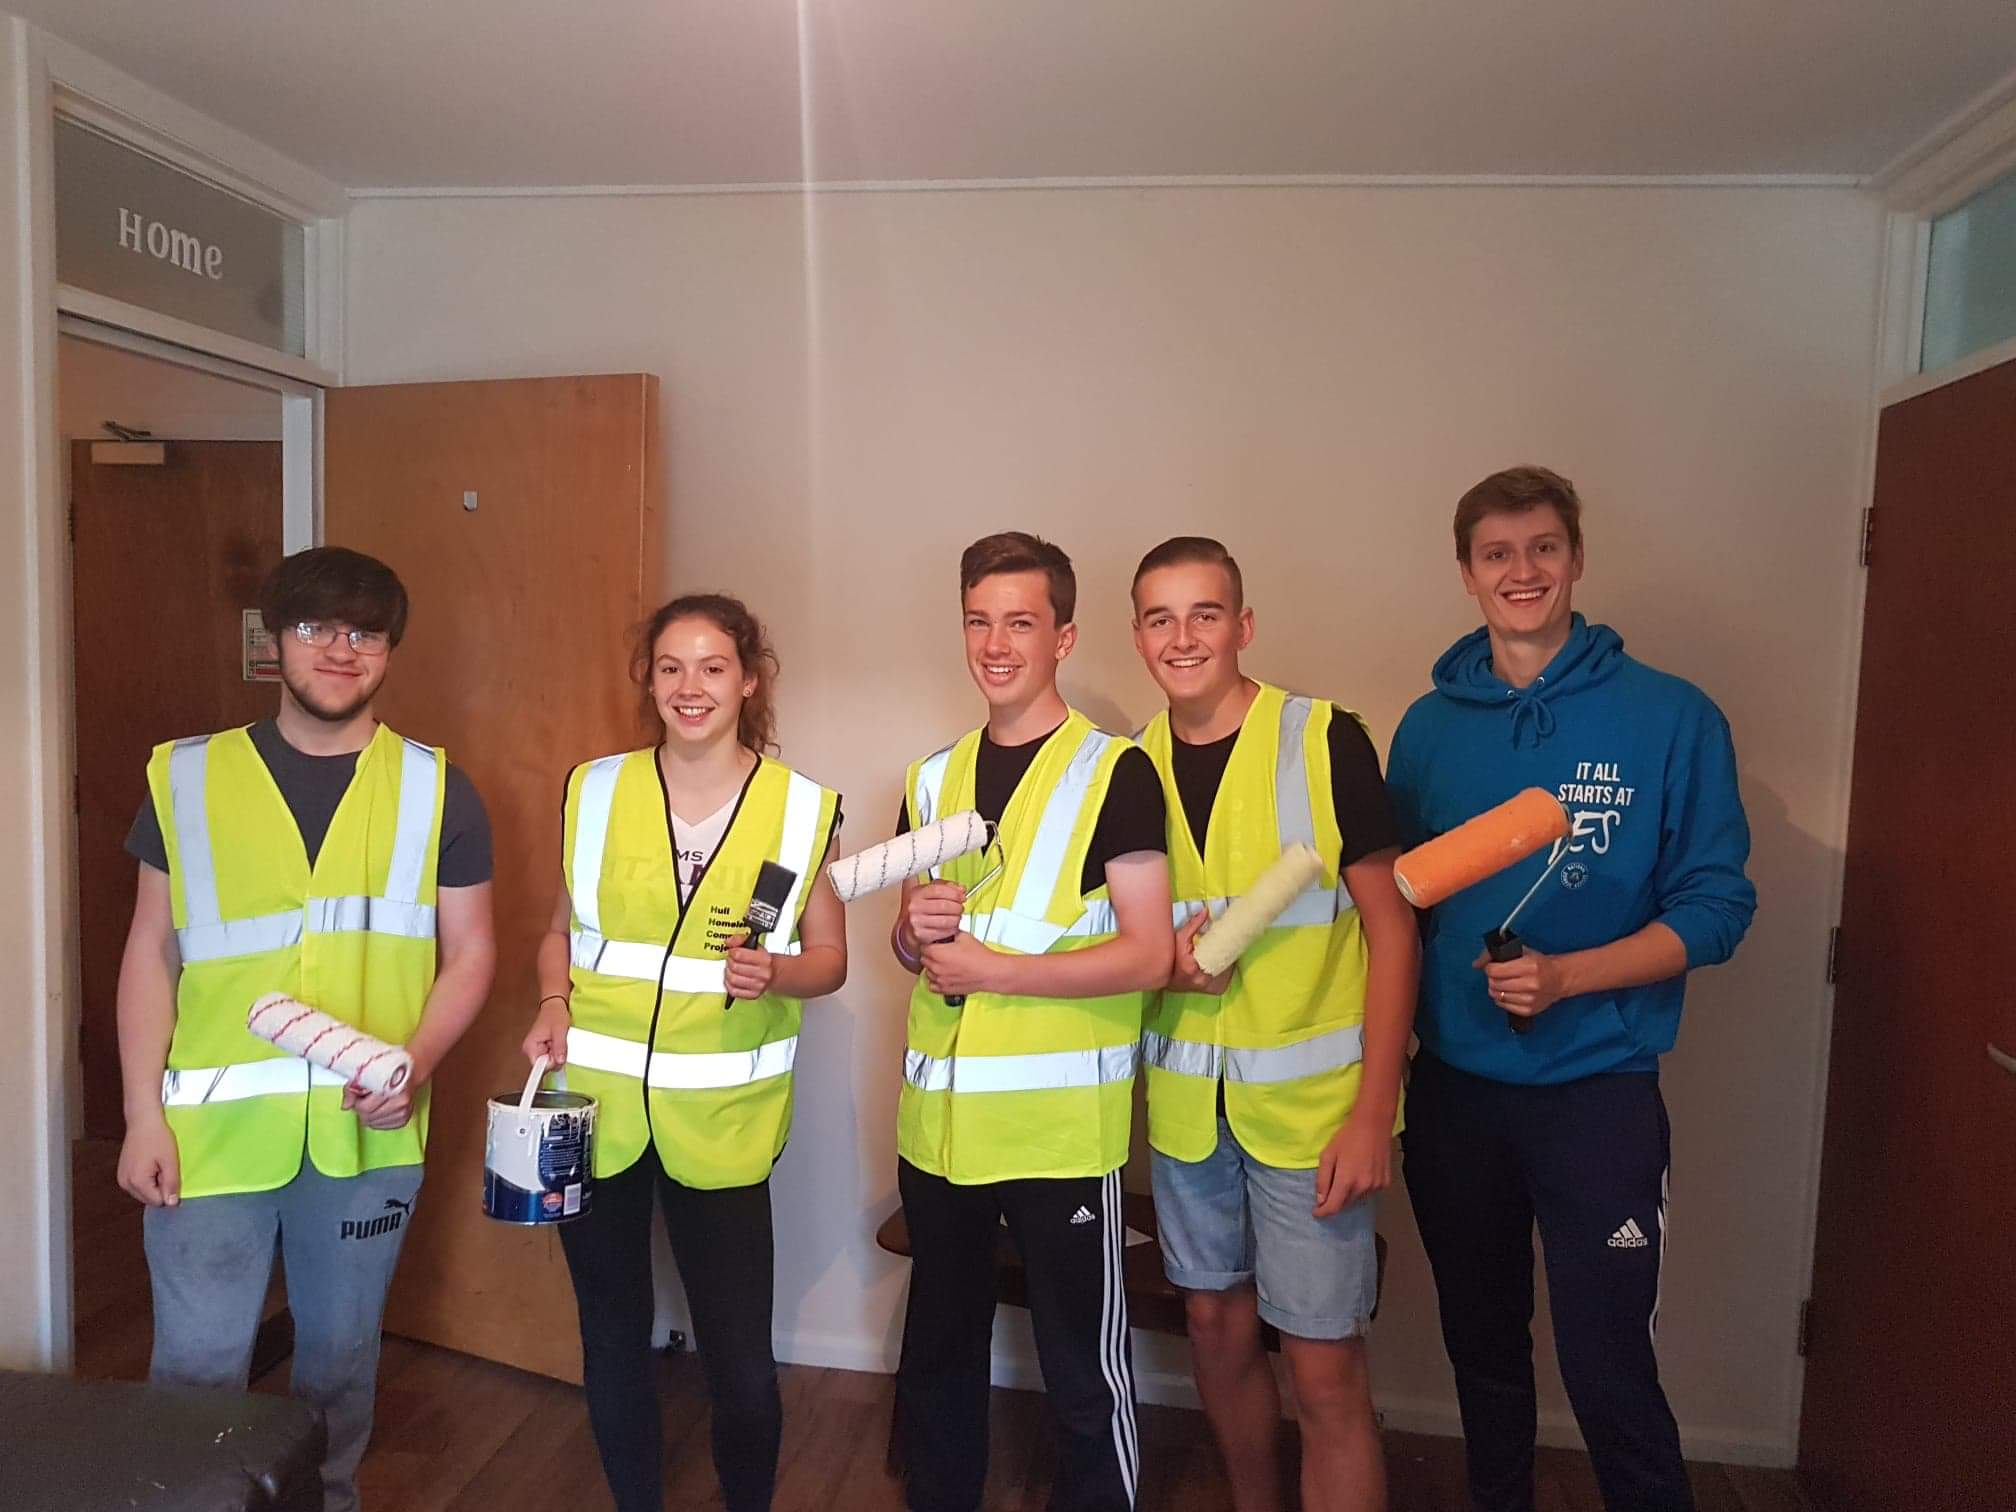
(1481, 847)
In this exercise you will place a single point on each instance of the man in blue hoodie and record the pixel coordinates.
(1562, 1123)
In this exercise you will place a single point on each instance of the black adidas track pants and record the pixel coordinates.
(1071, 1237)
(1587, 1161)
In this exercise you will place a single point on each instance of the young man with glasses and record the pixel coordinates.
(319, 855)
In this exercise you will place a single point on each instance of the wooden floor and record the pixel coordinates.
(457, 1434)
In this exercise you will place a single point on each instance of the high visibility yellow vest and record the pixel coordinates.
(354, 937)
(1286, 1039)
(655, 1039)
(1009, 1086)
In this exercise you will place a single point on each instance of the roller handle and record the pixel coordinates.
(953, 999)
(1505, 945)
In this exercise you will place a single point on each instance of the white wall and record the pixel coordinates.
(857, 386)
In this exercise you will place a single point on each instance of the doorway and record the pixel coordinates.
(175, 477)
(1909, 1392)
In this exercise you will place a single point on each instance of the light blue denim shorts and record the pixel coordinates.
(1228, 1220)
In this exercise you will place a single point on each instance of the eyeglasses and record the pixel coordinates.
(363, 642)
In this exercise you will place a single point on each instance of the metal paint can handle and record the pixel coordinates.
(525, 1098)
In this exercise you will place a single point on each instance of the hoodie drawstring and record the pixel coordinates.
(1529, 705)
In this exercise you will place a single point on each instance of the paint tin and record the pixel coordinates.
(539, 1154)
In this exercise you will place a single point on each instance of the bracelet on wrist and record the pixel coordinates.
(553, 997)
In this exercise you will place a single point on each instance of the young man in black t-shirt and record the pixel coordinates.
(1033, 958)
(1274, 1086)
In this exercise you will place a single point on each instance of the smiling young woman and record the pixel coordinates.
(651, 982)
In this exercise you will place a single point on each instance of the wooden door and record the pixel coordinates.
(168, 557)
(1911, 1368)
(523, 517)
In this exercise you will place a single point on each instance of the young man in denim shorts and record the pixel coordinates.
(1274, 1087)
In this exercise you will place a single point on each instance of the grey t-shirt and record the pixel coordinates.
(314, 785)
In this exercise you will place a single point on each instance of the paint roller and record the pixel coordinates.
(1482, 847)
(328, 1042)
(920, 852)
(912, 854)
(1249, 915)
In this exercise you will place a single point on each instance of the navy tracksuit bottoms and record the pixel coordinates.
(1587, 1161)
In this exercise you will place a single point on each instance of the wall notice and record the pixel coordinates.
(259, 652)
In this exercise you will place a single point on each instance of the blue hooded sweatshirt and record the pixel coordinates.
(1645, 767)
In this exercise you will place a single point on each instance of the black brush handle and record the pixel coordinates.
(766, 909)
(1505, 945)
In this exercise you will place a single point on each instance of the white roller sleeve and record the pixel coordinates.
(908, 855)
(329, 1043)
(1246, 918)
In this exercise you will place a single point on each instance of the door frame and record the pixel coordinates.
(42, 77)
(300, 419)
(300, 527)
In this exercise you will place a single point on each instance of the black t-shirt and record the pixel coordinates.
(1133, 817)
(314, 785)
(1364, 811)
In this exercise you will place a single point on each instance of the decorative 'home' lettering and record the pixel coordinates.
(164, 243)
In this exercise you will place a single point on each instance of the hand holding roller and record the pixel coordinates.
(920, 852)
(1480, 848)
(1248, 916)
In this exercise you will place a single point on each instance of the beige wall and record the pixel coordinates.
(34, 1172)
(855, 390)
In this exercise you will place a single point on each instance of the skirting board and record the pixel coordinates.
(1162, 1388)
(1558, 1431)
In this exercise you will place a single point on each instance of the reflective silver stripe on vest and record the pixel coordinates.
(645, 961)
(801, 825)
(591, 835)
(1291, 776)
(1019, 932)
(287, 1075)
(188, 795)
(931, 785)
(706, 1071)
(411, 921)
(1045, 862)
(1315, 906)
(642, 961)
(1330, 1051)
(237, 937)
(411, 833)
(1047, 1071)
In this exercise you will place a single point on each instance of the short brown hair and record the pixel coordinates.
(332, 584)
(1514, 491)
(1019, 551)
(757, 726)
(1180, 551)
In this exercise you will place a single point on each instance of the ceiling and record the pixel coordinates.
(397, 93)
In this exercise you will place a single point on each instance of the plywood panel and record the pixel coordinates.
(516, 662)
